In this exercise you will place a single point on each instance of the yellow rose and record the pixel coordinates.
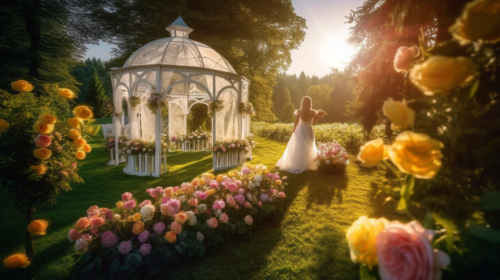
(130, 218)
(361, 238)
(42, 153)
(440, 74)
(16, 261)
(371, 153)
(40, 169)
(220, 177)
(67, 93)
(136, 217)
(119, 204)
(138, 227)
(480, 21)
(38, 227)
(4, 125)
(80, 155)
(201, 182)
(83, 112)
(74, 122)
(86, 148)
(400, 115)
(74, 134)
(79, 143)
(22, 85)
(230, 174)
(43, 128)
(210, 192)
(47, 119)
(416, 154)
(170, 236)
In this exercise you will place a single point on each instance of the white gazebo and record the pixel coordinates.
(181, 73)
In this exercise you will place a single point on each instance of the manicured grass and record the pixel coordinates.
(307, 243)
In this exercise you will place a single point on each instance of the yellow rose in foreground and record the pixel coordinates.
(74, 122)
(22, 85)
(136, 217)
(220, 177)
(480, 21)
(80, 154)
(201, 182)
(119, 204)
(79, 143)
(361, 238)
(83, 112)
(66, 93)
(210, 192)
(371, 153)
(4, 125)
(130, 218)
(440, 74)
(42, 153)
(40, 169)
(170, 236)
(38, 227)
(86, 148)
(16, 261)
(74, 134)
(47, 119)
(416, 154)
(138, 227)
(43, 128)
(398, 112)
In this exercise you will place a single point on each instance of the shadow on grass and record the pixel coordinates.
(325, 187)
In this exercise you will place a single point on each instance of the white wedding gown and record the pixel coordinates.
(300, 150)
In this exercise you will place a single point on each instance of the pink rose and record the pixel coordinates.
(249, 220)
(145, 249)
(43, 141)
(126, 196)
(213, 184)
(405, 252)
(193, 202)
(165, 200)
(230, 200)
(223, 218)
(109, 239)
(240, 199)
(125, 247)
(404, 58)
(209, 212)
(145, 202)
(232, 187)
(143, 236)
(259, 203)
(129, 205)
(202, 196)
(245, 170)
(241, 191)
(73, 235)
(219, 205)
(176, 227)
(247, 204)
(109, 215)
(212, 222)
(281, 195)
(156, 192)
(264, 197)
(159, 227)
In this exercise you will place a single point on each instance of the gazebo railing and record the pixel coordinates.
(121, 157)
(192, 145)
(144, 165)
(228, 160)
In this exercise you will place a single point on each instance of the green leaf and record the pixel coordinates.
(406, 192)
(180, 249)
(133, 258)
(444, 220)
(485, 232)
(366, 274)
(490, 201)
(429, 222)
(183, 235)
(113, 268)
(98, 263)
(473, 88)
(87, 271)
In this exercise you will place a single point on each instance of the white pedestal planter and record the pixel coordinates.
(192, 146)
(143, 165)
(121, 157)
(228, 160)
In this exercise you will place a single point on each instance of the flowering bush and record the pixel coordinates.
(136, 147)
(215, 106)
(109, 142)
(246, 109)
(198, 134)
(155, 100)
(331, 158)
(183, 220)
(134, 101)
(234, 145)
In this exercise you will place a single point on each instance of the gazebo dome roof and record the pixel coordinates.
(179, 50)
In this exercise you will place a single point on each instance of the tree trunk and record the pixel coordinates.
(34, 32)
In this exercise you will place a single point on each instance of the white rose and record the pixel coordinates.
(218, 212)
(182, 198)
(147, 212)
(82, 245)
(251, 186)
(193, 220)
(116, 217)
(200, 236)
(202, 208)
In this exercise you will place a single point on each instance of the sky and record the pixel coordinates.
(324, 45)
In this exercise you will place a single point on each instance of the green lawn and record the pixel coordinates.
(308, 243)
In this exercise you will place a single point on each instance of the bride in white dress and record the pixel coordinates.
(301, 148)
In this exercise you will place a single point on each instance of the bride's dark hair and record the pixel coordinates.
(305, 107)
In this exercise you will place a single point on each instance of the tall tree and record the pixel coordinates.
(96, 96)
(83, 72)
(256, 37)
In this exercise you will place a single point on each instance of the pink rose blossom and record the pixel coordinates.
(240, 199)
(73, 235)
(202, 196)
(159, 227)
(281, 195)
(165, 199)
(232, 187)
(145, 202)
(94, 230)
(249, 220)
(145, 249)
(193, 202)
(405, 252)
(213, 184)
(238, 183)
(270, 175)
(129, 205)
(241, 191)
(209, 212)
(176, 188)
(43, 141)
(97, 222)
(171, 207)
(230, 200)
(176, 227)
(259, 203)
(126, 196)
(125, 247)
(156, 192)
(223, 218)
(245, 170)
(219, 205)
(109, 239)
(143, 236)
(276, 177)
(404, 58)
(93, 210)
(109, 215)
(237, 207)
(212, 222)
(247, 204)
(196, 211)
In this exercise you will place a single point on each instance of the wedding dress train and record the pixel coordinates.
(300, 151)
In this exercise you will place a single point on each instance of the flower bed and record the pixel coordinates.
(234, 145)
(198, 134)
(141, 238)
(331, 158)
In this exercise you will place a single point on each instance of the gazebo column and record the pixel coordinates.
(157, 161)
(117, 134)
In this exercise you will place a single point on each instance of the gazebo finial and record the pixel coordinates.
(179, 28)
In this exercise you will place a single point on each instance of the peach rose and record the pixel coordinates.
(80, 155)
(119, 204)
(83, 112)
(220, 177)
(371, 153)
(170, 236)
(43, 128)
(404, 58)
(480, 21)
(38, 227)
(212, 222)
(130, 218)
(416, 154)
(74, 122)
(138, 227)
(4, 125)
(405, 252)
(86, 148)
(181, 217)
(79, 143)
(210, 192)
(43, 141)
(193, 202)
(399, 113)
(82, 224)
(16, 261)
(67, 93)
(361, 237)
(42, 153)
(40, 169)
(47, 119)
(440, 74)
(22, 85)
(176, 227)
(168, 192)
(74, 134)
(201, 182)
